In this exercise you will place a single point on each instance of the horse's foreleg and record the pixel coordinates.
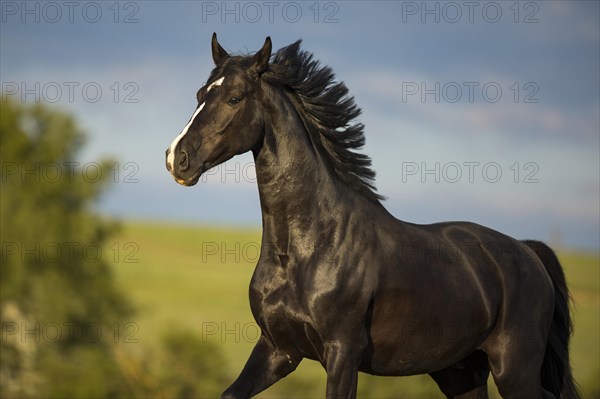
(266, 366)
(342, 371)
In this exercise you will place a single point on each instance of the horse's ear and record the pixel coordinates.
(260, 60)
(218, 52)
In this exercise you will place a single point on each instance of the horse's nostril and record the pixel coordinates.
(183, 161)
(183, 158)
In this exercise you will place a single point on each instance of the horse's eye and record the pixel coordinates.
(234, 100)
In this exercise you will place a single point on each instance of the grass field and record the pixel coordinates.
(197, 278)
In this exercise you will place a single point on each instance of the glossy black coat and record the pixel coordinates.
(343, 282)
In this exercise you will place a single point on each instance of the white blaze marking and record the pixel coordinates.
(217, 82)
(171, 156)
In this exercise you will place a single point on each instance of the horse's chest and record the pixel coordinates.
(282, 317)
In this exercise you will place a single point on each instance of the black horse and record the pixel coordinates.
(343, 282)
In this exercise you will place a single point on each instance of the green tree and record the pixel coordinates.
(59, 304)
(57, 294)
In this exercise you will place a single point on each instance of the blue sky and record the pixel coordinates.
(481, 111)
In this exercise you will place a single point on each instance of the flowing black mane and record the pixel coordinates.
(328, 113)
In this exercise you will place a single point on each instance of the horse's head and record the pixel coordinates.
(228, 118)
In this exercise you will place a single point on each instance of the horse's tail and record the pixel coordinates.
(556, 372)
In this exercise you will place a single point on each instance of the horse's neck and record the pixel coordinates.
(298, 193)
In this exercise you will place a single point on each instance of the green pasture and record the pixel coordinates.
(194, 277)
